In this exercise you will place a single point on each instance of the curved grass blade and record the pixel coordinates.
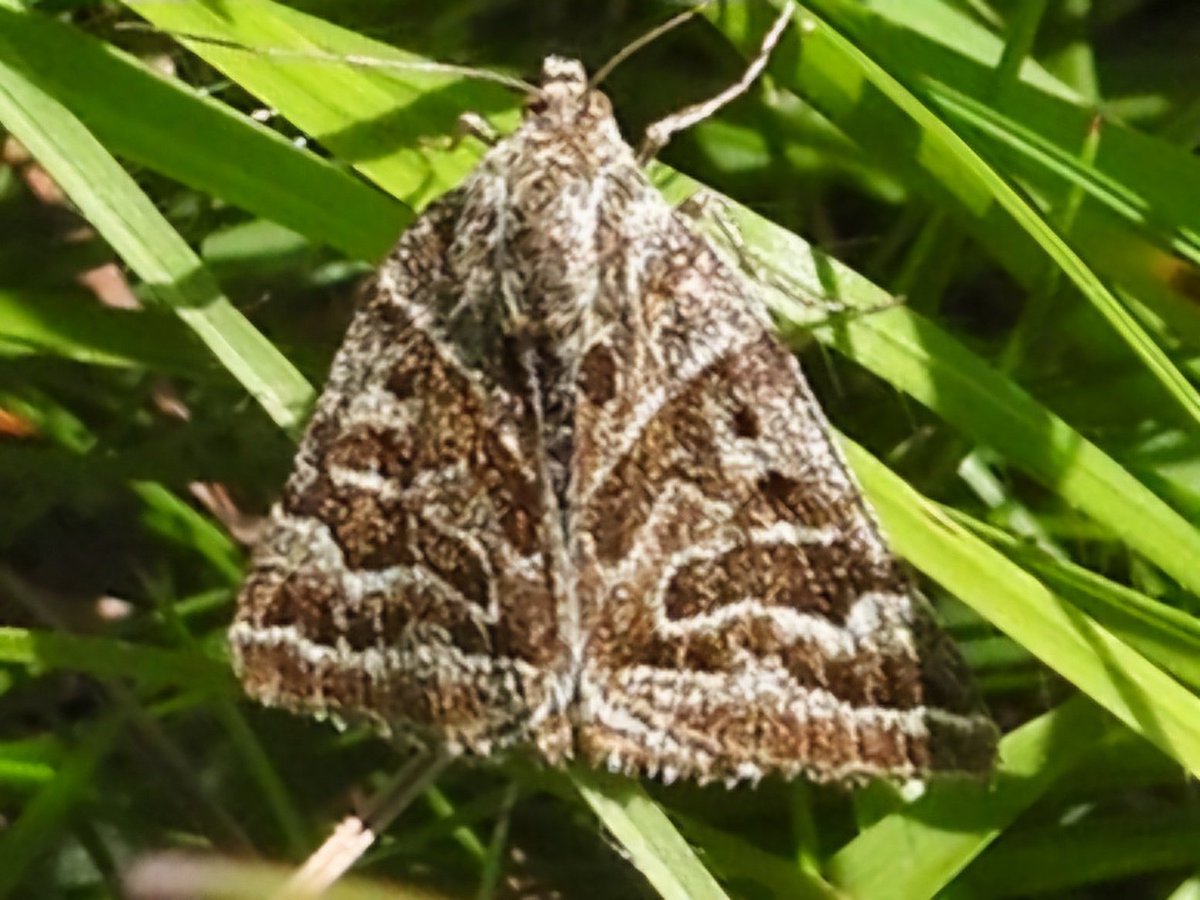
(112, 202)
(1139, 224)
(385, 122)
(919, 849)
(653, 844)
(839, 76)
(197, 140)
(1117, 677)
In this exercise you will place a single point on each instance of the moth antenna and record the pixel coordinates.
(659, 133)
(351, 59)
(637, 44)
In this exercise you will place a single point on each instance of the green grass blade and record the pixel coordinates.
(916, 356)
(74, 327)
(112, 202)
(385, 122)
(916, 851)
(1168, 636)
(851, 76)
(653, 844)
(40, 822)
(1033, 130)
(1118, 678)
(110, 658)
(1053, 859)
(738, 859)
(194, 139)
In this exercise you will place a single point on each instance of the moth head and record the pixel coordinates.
(564, 96)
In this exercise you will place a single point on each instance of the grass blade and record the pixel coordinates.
(831, 58)
(1118, 678)
(916, 851)
(112, 202)
(653, 844)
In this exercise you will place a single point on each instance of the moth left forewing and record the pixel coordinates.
(744, 616)
(403, 578)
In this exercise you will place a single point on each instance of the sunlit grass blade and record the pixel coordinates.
(647, 835)
(24, 768)
(1118, 678)
(1168, 636)
(839, 76)
(390, 124)
(114, 204)
(157, 122)
(916, 851)
(1139, 213)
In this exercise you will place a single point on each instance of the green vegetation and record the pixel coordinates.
(996, 294)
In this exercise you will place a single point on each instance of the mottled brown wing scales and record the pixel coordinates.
(564, 488)
(743, 613)
(403, 578)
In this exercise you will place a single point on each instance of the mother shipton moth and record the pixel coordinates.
(566, 491)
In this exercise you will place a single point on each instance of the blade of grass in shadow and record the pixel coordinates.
(112, 202)
(736, 858)
(827, 53)
(256, 759)
(23, 843)
(653, 844)
(1058, 859)
(110, 658)
(916, 851)
(73, 326)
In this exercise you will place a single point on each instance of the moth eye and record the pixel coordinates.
(536, 104)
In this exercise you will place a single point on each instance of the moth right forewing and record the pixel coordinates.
(744, 615)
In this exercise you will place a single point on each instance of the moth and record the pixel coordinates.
(566, 493)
